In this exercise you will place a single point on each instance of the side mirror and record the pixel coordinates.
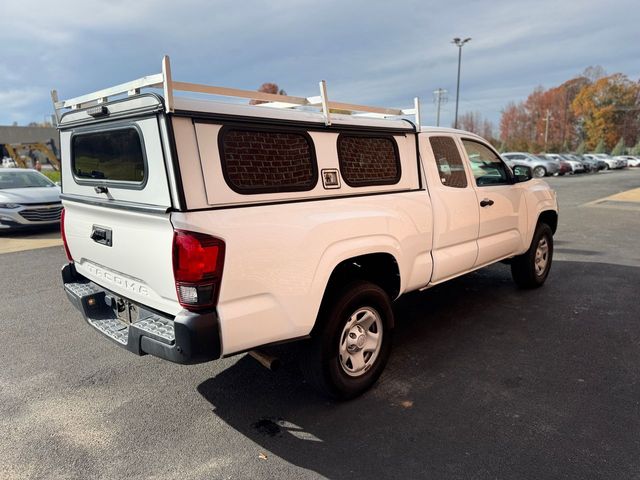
(522, 173)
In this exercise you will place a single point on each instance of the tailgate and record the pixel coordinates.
(117, 199)
(137, 261)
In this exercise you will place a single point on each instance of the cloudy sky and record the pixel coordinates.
(372, 52)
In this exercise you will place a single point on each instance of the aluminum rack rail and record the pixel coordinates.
(165, 82)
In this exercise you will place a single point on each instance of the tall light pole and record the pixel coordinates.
(458, 43)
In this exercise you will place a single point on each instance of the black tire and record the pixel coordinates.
(524, 267)
(320, 357)
(539, 172)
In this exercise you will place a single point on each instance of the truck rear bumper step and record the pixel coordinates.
(186, 338)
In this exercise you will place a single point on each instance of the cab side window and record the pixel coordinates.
(487, 167)
(449, 162)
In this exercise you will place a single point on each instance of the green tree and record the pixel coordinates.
(636, 150)
(620, 148)
(582, 148)
(601, 147)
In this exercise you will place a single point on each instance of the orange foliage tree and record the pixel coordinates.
(586, 109)
(268, 87)
(608, 110)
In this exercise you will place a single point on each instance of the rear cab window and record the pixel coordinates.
(109, 156)
(449, 162)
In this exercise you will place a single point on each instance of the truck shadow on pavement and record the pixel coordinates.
(484, 381)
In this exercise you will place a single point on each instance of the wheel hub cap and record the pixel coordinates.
(360, 341)
(542, 256)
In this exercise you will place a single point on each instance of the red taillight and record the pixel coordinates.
(197, 268)
(64, 237)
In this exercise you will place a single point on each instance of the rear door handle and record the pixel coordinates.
(486, 202)
(101, 235)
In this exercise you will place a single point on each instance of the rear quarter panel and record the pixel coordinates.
(279, 257)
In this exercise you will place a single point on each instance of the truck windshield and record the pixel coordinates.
(114, 155)
(23, 179)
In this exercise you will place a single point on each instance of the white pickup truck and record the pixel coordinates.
(197, 229)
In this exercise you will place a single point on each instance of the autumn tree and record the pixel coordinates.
(586, 108)
(608, 110)
(268, 87)
(514, 127)
(473, 122)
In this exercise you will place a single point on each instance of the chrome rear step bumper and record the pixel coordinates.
(188, 337)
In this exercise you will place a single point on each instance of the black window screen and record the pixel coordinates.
(114, 155)
(368, 160)
(256, 161)
(449, 162)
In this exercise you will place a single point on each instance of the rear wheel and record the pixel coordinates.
(530, 270)
(351, 344)
(539, 172)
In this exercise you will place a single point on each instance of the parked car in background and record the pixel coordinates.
(631, 160)
(587, 166)
(576, 167)
(595, 164)
(27, 199)
(540, 166)
(563, 165)
(608, 160)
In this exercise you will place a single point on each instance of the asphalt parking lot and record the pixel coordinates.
(485, 381)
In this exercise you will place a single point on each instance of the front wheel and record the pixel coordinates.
(539, 172)
(351, 343)
(530, 270)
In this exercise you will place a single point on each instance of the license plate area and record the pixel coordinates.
(126, 311)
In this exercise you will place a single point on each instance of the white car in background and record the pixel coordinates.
(610, 161)
(28, 199)
(631, 160)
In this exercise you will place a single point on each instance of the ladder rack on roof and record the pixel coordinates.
(169, 86)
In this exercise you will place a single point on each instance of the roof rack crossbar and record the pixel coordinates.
(165, 82)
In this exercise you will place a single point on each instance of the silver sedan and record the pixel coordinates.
(27, 199)
(539, 166)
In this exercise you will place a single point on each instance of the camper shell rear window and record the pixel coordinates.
(112, 156)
